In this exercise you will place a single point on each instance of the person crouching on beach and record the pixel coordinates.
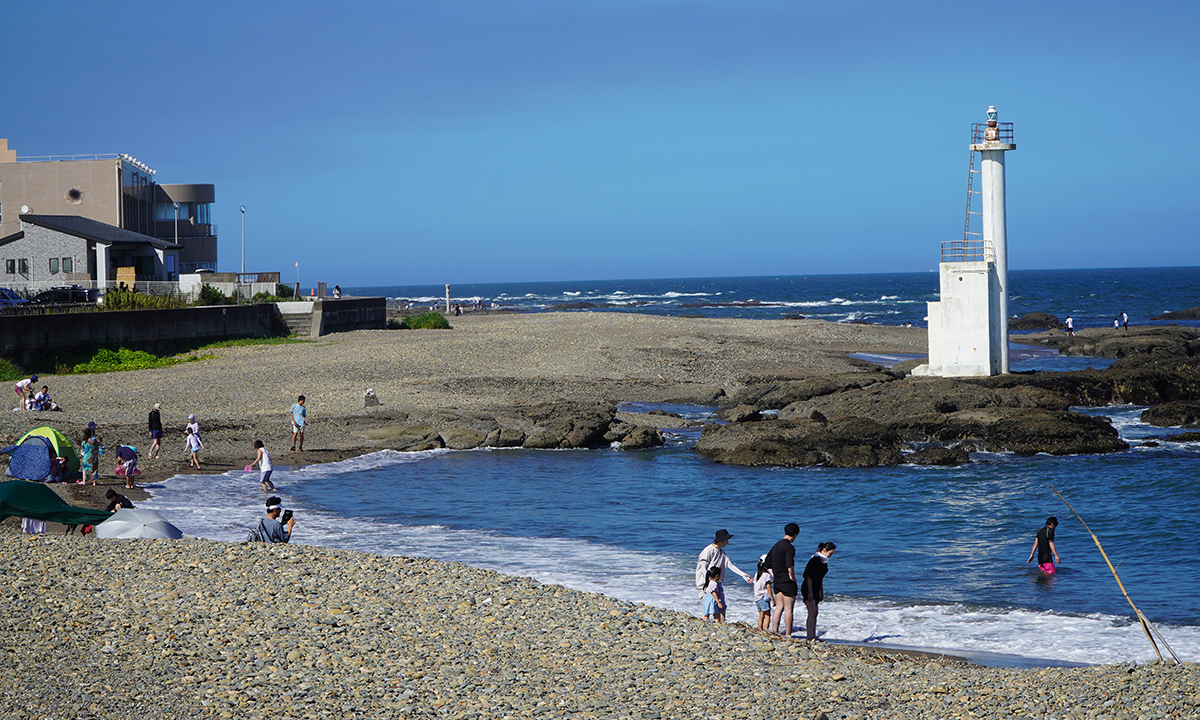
(764, 597)
(1043, 545)
(193, 447)
(263, 460)
(714, 596)
(20, 388)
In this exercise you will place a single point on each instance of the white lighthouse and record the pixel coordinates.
(968, 326)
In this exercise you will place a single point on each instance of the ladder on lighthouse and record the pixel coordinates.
(972, 243)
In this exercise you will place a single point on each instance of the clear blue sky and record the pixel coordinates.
(405, 143)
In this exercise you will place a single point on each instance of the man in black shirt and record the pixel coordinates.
(1044, 547)
(116, 501)
(782, 560)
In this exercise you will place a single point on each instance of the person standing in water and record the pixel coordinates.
(263, 459)
(812, 589)
(1043, 546)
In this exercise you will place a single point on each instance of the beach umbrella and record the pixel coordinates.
(132, 523)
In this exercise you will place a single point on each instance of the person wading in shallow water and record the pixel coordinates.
(714, 556)
(782, 560)
(812, 588)
(1044, 547)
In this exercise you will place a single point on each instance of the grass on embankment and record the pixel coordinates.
(119, 359)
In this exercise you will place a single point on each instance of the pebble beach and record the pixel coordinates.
(197, 628)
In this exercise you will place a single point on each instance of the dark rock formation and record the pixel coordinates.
(568, 424)
(779, 394)
(407, 438)
(461, 438)
(505, 437)
(1173, 414)
(1035, 321)
(844, 442)
(947, 456)
(641, 438)
(1171, 340)
(741, 413)
(1189, 314)
(1032, 431)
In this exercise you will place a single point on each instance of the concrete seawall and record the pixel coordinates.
(24, 336)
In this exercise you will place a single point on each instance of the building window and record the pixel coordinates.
(68, 265)
(53, 266)
(10, 267)
(23, 267)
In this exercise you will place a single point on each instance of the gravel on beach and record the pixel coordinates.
(199, 629)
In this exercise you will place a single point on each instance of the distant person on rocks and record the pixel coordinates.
(1070, 326)
(714, 556)
(193, 448)
(813, 587)
(299, 422)
(1116, 325)
(764, 598)
(20, 388)
(1043, 546)
(782, 559)
(116, 501)
(272, 528)
(263, 460)
(156, 431)
(1125, 321)
(714, 596)
(337, 292)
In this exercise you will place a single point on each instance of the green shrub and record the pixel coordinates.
(209, 295)
(114, 360)
(287, 292)
(122, 299)
(9, 371)
(394, 324)
(425, 321)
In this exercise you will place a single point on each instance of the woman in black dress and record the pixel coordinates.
(812, 589)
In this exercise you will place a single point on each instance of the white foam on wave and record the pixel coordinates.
(225, 507)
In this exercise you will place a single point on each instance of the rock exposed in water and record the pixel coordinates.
(1189, 314)
(1173, 414)
(1035, 321)
(946, 456)
(641, 438)
(776, 395)
(843, 442)
(740, 413)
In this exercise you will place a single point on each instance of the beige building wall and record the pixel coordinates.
(86, 188)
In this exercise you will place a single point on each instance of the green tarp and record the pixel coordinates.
(35, 500)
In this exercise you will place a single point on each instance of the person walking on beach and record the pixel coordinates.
(299, 422)
(263, 460)
(20, 388)
(764, 599)
(156, 431)
(714, 556)
(1043, 545)
(813, 587)
(1125, 322)
(1070, 326)
(194, 426)
(714, 595)
(90, 456)
(782, 559)
(1117, 325)
(193, 448)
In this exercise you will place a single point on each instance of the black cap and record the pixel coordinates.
(722, 535)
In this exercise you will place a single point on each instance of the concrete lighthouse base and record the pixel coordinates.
(966, 334)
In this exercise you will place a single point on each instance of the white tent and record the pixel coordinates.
(127, 523)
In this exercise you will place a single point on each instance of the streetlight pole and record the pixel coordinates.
(243, 239)
(176, 223)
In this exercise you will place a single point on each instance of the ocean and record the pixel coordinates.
(930, 558)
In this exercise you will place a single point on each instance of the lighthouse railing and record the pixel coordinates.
(1004, 133)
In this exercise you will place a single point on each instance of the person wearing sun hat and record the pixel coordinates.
(714, 556)
(156, 430)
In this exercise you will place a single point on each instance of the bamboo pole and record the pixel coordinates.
(1146, 626)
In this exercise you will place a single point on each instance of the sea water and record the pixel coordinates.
(927, 557)
(1093, 298)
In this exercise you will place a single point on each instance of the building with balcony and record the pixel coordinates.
(164, 229)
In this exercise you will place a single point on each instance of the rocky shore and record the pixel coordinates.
(201, 629)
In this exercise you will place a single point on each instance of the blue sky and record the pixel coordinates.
(422, 143)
